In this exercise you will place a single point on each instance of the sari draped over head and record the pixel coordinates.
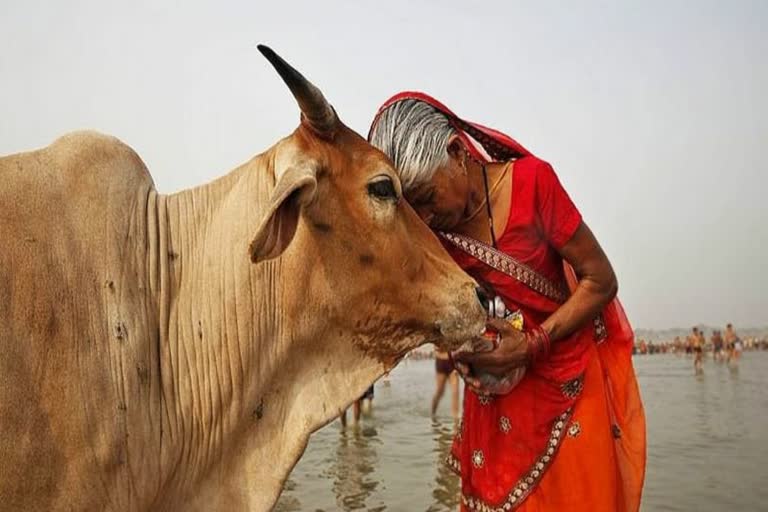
(571, 434)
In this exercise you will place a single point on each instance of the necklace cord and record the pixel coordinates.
(488, 205)
(492, 190)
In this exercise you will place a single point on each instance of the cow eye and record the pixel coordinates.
(383, 188)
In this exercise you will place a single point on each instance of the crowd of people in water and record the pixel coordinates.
(719, 344)
(724, 347)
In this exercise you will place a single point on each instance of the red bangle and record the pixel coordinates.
(538, 344)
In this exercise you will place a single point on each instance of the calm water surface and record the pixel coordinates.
(707, 444)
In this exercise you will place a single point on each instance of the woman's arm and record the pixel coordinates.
(597, 285)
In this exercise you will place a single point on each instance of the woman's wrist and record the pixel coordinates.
(539, 343)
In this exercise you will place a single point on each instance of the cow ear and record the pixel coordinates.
(295, 188)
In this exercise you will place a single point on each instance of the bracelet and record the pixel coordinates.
(538, 344)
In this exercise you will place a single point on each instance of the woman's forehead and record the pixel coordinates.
(420, 190)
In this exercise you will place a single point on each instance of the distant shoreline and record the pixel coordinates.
(671, 333)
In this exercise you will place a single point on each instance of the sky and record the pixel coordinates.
(652, 112)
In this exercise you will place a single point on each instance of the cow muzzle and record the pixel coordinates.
(466, 318)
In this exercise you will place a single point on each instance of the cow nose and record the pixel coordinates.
(483, 297)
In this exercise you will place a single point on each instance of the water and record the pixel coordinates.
(707, 444)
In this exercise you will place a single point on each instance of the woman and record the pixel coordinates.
(571, 434)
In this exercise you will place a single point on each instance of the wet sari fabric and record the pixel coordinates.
(571, 435)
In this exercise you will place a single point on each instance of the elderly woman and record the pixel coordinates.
(570, 433)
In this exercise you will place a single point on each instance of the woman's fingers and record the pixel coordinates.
(499, 362)
(476, 386)
(483, 345)
(462, 369)
(471, 358)
(498, 324)
(470, 380)
(490, 362)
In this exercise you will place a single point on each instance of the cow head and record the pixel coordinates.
(339, 223)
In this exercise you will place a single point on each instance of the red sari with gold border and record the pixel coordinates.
(559, 418)
(571, 434)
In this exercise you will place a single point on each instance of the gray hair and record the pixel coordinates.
(415, 136)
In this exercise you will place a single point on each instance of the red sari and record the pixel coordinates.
(571, 435)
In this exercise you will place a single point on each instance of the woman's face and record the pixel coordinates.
(442, 202)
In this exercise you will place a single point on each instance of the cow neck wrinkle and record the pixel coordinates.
(243, 380)
(212, 294)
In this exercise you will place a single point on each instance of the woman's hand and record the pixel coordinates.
(511, 353)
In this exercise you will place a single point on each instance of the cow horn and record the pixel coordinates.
(316, 109)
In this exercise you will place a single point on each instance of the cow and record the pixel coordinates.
(175, 352)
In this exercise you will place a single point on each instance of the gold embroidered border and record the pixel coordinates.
(528, 482)
(508, 265)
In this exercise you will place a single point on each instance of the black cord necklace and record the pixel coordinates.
(488, 206)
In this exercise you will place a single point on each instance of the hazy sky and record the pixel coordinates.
(653, 113)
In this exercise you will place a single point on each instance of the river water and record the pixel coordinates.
(707, 444)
